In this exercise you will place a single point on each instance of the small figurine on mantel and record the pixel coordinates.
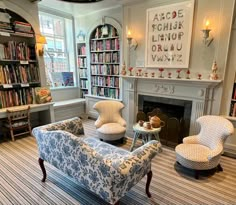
(123, 71)
(98, 33)
(213, 75)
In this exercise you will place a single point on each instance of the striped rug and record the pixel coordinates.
(20, 183)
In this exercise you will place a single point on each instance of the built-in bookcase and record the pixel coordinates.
(19, 72)
(233, 102)
(105, 62)
(82, 66)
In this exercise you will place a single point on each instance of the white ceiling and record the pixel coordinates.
(79, 9)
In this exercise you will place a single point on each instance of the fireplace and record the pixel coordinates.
(174, 112)
(191, 97)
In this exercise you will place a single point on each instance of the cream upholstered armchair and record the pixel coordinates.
(203, 151)
(110, 125)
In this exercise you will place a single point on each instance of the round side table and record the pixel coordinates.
(146, 134)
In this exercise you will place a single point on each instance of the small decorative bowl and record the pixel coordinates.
(140, 122)
(147, 125)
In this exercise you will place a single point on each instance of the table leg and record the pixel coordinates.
(158, 139)
(144, 138)
(136, 135)
(149, 137)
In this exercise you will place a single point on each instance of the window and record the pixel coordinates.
(58, 57)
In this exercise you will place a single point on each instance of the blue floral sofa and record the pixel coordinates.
(104, 169)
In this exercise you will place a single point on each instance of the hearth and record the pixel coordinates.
(176, 114)
(199, 93)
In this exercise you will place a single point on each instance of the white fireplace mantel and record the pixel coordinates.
(181, 81)
(199, 92)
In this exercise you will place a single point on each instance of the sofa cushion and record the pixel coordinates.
(108, 151)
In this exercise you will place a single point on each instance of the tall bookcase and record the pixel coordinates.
(19, 72)
(82, 66)
(233, 102)
(105, 62)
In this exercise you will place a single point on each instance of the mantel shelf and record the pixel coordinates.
(193, 82)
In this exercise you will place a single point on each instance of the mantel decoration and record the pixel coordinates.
(123, 71)
(161, 71)
(213, 75)
(188, 74)
(178, 73)
(168, 35)
(130, 71)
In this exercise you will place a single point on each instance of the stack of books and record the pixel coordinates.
(23, 28)
(5, 25)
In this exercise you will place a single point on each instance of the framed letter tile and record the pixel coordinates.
(168, 35)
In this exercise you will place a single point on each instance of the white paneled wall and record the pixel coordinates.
(69, 108)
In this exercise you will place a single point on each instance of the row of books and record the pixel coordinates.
(105, 69)
(83, 93)
(17, 51)
(105, 57)
(234, 93)
(16, 97)
(233, 109)
(106, 44)
(106, 92)
(11, 73)
(82, 50)
(105, 81)
(84, 84)
(82, 62)
(83, 73)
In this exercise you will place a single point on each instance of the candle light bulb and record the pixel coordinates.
(129, 34)
(207, 24)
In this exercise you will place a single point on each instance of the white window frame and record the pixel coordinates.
(71, 57)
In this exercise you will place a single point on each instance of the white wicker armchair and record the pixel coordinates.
(203, 151)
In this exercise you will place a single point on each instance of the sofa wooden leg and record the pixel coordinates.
(41, 164)
(117, 203)
(149, 178)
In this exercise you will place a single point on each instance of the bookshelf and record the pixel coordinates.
(105, 62)
(19, 74)
(82, 66)
(232, 112)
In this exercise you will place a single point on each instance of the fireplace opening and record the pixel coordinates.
(174, 112)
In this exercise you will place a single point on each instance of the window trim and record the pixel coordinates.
(52, 12)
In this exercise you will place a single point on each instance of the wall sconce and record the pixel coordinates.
(131, 41)
(41, 41)
(207, 40)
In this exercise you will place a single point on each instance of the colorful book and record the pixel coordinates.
(68, 78)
